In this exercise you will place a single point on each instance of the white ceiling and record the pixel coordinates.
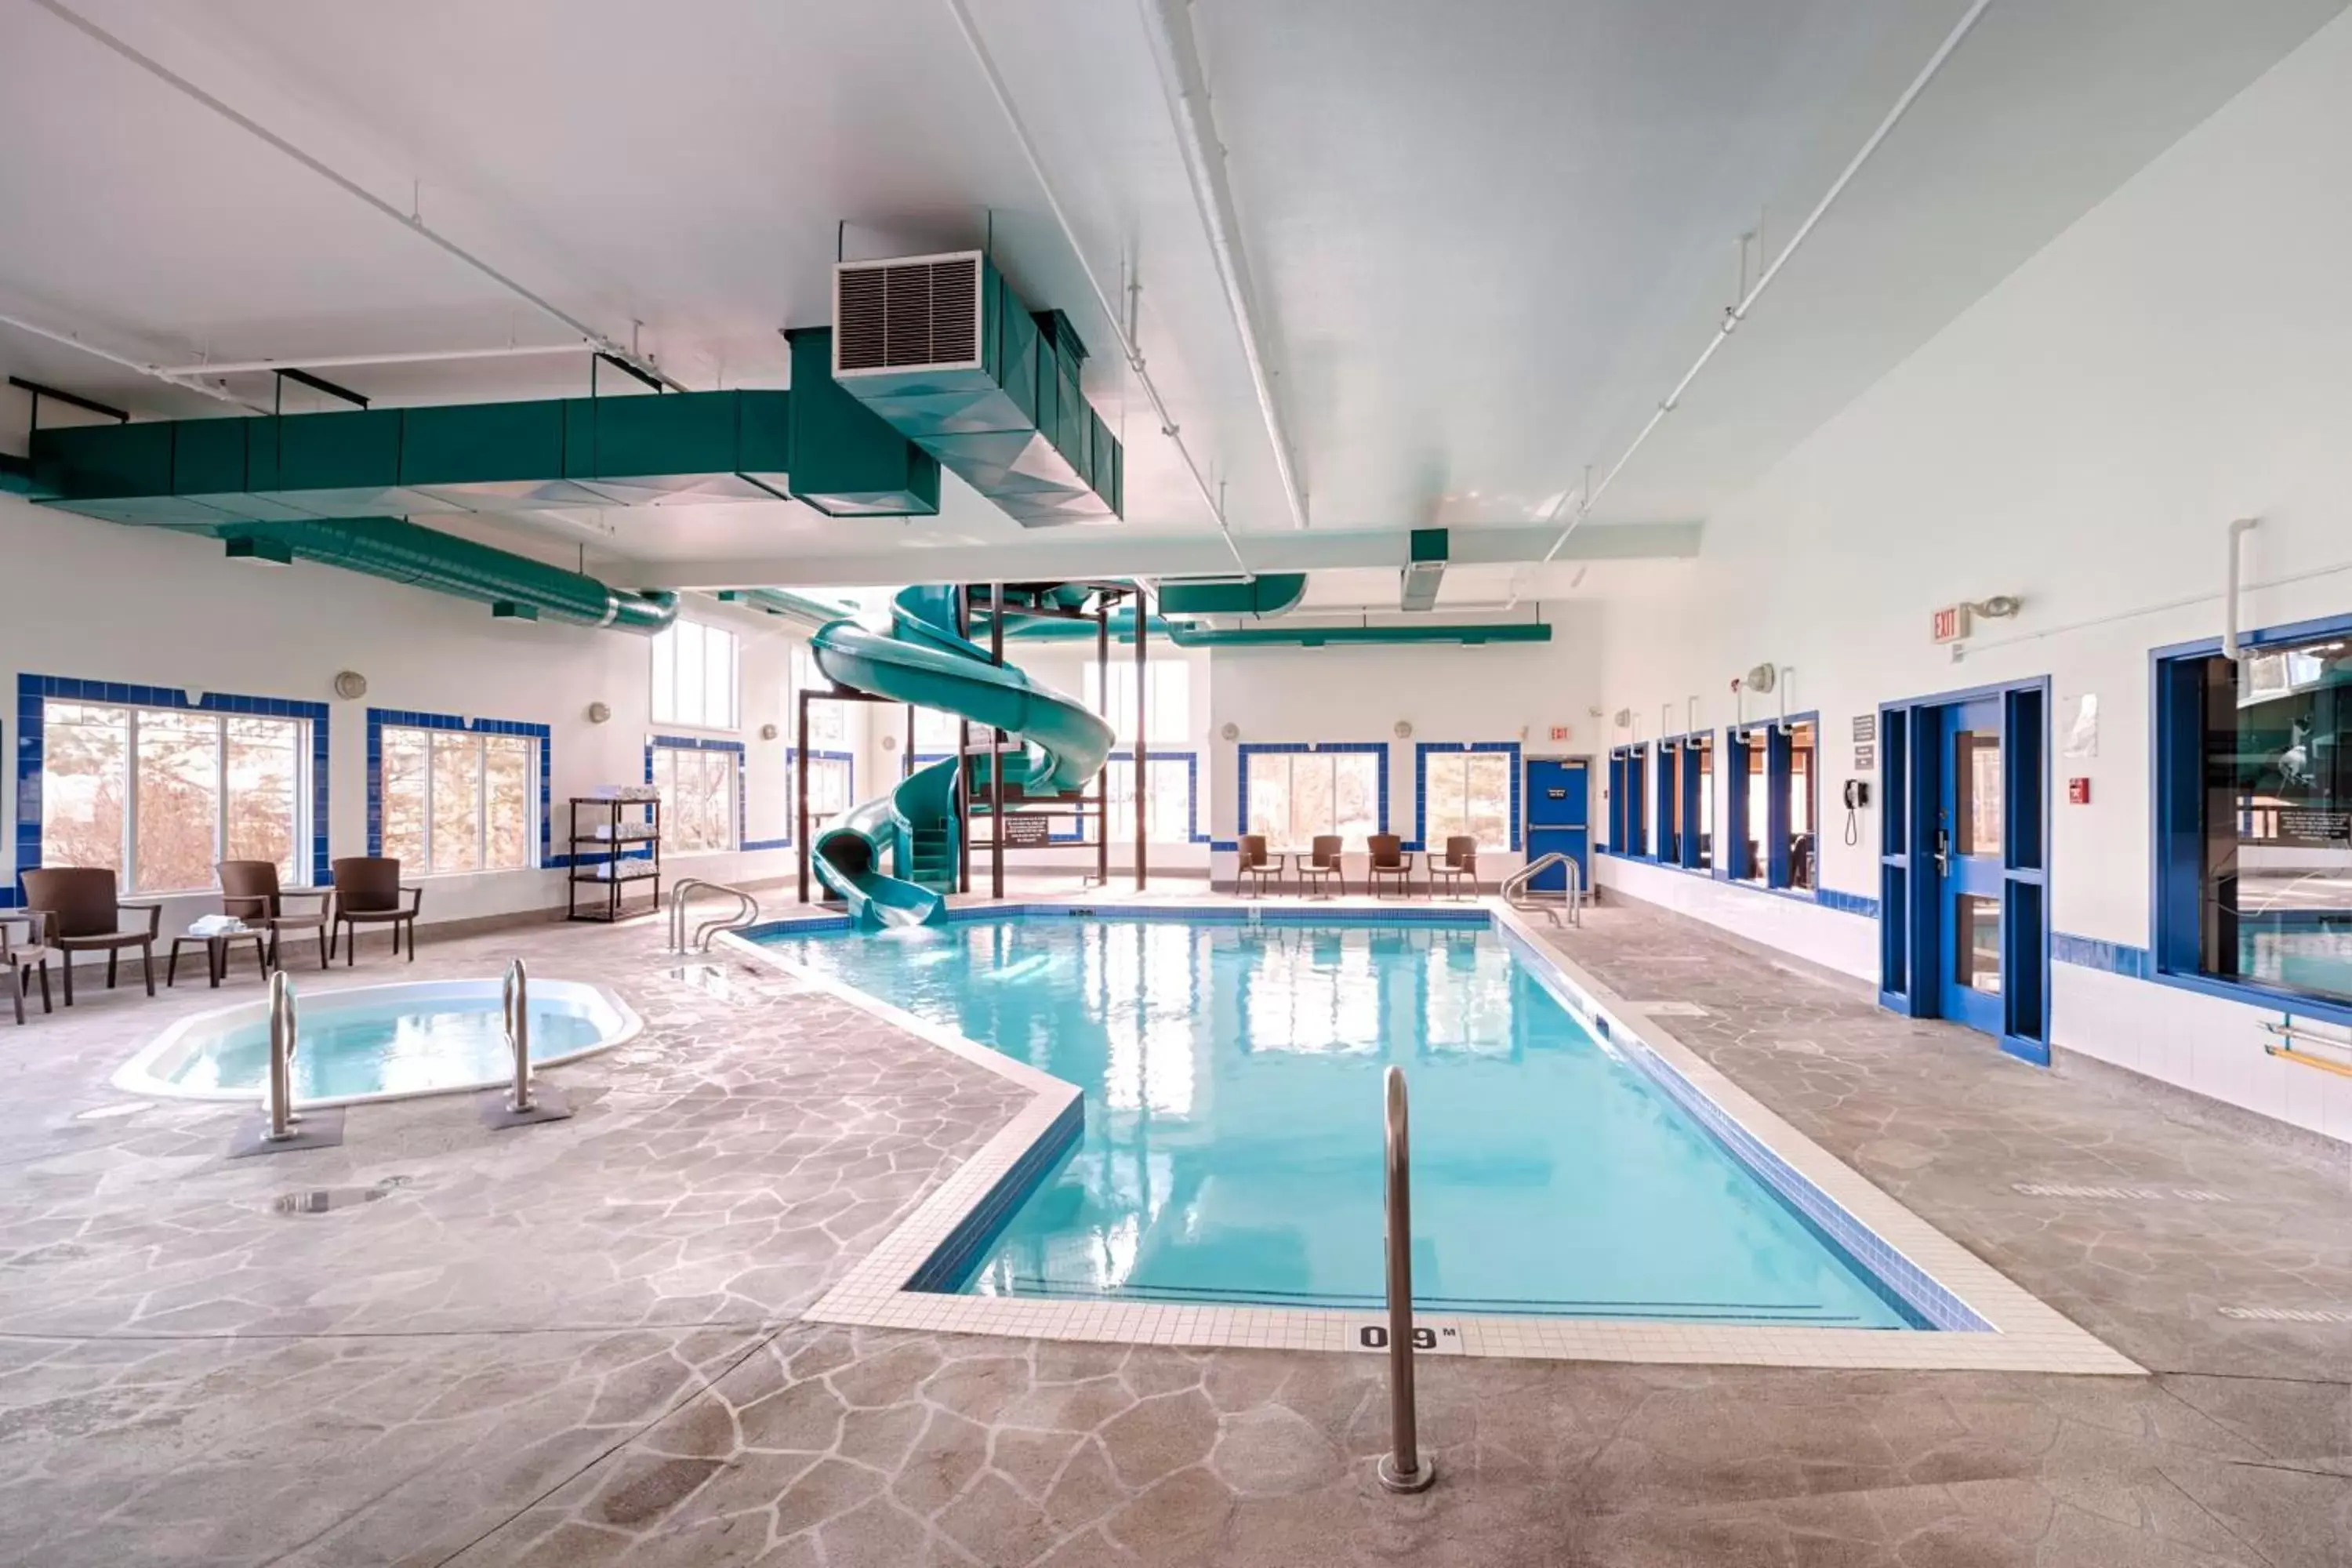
(1488, 235)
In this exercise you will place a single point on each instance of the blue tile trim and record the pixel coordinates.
(947, 1267)
(1292, 747)
(2109, 957)
(712, 743)
(35, 691)
(1904, 1281)
(1424, 750)
(414, 718)
(1194, 832)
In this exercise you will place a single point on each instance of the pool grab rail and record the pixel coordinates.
(747, 912)
(514, 1004)
(1515, 887)
(1404, 1467)
(278, 1083)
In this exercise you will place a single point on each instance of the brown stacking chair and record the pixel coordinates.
(249, 890)
(1322, 864)
(1390, 864)
(1458, 865)
(82, 910)
(19, 960)
(1257, 862)
(368, 892)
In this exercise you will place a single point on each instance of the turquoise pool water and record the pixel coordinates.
(1232, 1151)
(414, 1045)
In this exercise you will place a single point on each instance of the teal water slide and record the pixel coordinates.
(892, 860)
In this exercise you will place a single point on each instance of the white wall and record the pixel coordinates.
(94, 601)
(2079, 438)
(1505, 691)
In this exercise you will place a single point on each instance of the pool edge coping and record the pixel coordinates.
(2025, 1333)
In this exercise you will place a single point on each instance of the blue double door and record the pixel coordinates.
(1972, 804)
(1559, 821)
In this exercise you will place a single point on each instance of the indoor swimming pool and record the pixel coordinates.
(1232, 1147)
(379, 1042)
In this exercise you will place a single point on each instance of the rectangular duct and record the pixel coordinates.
(942, 348)
(1425, 569)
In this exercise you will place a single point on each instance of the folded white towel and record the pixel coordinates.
(216, 925)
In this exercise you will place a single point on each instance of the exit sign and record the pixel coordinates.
(1951, 623)
(1560, 731)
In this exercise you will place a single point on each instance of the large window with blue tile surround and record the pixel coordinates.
(831, 783)
(701, 786)
(160, 784)
(1467, 790)
(449, 796)
(1172, 806)
(1295, 792)
(1628, 800)
(2253, 818)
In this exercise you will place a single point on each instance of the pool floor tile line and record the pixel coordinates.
(2026, 1335)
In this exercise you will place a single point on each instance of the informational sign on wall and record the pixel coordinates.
(1865, 758)
(1866, 729)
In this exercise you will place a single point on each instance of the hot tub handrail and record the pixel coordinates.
(514, 1003)
(747, 912)
(278, 1083)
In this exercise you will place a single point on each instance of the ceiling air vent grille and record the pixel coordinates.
(899, 315)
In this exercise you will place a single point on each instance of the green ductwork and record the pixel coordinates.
(789, 606)
(683, 447)
(15, 475)
(1426, 570)
(943, 350)
(402, 552)
(1268, 594)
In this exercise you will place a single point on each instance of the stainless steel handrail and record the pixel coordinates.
(277, 1086)
(514, 1002)
(1515, 893)
(747, 912)
(1404, 1467)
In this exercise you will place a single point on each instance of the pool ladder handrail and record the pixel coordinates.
(1514, 888)
(514, 1006)
(278, 1082)
(1404, 1467)
(747, 913)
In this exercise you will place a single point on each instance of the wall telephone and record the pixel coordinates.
(1857, 797)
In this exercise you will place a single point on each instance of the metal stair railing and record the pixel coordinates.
(1516, 893)
(747, 912)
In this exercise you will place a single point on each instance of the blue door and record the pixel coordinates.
(1559, 796)
(1965, 851)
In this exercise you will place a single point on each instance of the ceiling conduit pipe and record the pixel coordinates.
(1735, 314)
(1118, 324)
(341, 362)
(154, 371)
(1185, 84)
(399, 550)
(2238, 528)
(409, 221)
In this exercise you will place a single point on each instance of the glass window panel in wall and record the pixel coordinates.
(828, 786)
(264, 770)
(404, 754)
(1760, 805)
(1702, 756)
(695, 676)
(455, 820)
(85, 785)
(510, 784)
(1804, 840)
(2275, 895)
(177, 792)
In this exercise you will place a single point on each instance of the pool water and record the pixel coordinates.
(1233, 1149)
(411, 1045)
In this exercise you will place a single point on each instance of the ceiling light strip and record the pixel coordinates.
(1186, 85)
(1168, 425)
(1737, 313)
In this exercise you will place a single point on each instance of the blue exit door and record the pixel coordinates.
(1559, 801)
(1966, 850)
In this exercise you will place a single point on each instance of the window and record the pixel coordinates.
(159, 795)
(694, 677)
(828, 721)
(1670, 802)
(1628, 832)
(1773, 795)
(831, 784)
(935, 732)
(1295, 795)
(1468, 793)
(458, 800)
(1167, 700)
(1698, 801)
(2254, 817)
(1168, 809)
(700, 792)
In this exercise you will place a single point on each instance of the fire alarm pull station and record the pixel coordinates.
(2078, 791)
